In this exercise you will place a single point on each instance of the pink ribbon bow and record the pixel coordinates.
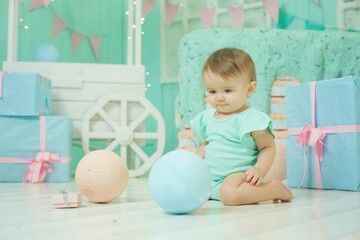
(313, 137)
(38, 167)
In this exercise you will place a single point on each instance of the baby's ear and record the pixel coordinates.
(251, 88)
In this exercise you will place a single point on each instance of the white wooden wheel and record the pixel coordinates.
(117, 122)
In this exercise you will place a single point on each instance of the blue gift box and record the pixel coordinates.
(336, 106)
(20, 144)
(24, 94)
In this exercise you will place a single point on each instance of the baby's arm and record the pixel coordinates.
(201, 151)
(266, 146)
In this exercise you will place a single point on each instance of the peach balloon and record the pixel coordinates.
(101, 176)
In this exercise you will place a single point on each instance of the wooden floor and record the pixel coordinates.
(26, 212)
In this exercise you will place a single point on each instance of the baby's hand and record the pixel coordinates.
(254, 176)
(198, 151)
(189, 148)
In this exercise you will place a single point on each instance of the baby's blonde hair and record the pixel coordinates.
(230, 62)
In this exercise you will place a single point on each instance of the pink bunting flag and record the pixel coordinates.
(236, 15)
(46, 2)
(95, 45)
(272, 6)
(58, 26)
(148, 5)
(206, 15)
(38, 3)
(76, 39)
(170, 12)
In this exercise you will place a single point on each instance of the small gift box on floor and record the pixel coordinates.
(66, 199)
(24, 94)
(35, 149)
(324, 134)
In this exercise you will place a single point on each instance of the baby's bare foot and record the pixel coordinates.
(284, 193)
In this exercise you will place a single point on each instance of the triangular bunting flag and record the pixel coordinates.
(76, 39)
(58, 26)
(272, 6)
(170, 12)
(95, 45)
(285, 19)
(148, 5)
(206, 15)
(46, 3)
(236, 14)
(36, 4)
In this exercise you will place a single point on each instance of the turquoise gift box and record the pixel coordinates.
(24, 94)
(324, 134)
(42, 143)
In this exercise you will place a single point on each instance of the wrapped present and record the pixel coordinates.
(278, 120)
(277, 107)
(24, 94)
(35, 149)
(324, 134)
(66, 199)
(281, 135)
(278, 85)
(277, 104)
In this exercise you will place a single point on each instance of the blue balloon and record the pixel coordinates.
(46, 53)
(180, 182)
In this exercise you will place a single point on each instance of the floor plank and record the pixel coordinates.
(26, 213)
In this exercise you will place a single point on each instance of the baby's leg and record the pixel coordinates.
(235, 191)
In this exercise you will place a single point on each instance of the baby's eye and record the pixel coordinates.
(212, 92)
(228, 90)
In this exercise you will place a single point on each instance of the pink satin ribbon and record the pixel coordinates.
(38, 167)
(28, 160)
(313, 136)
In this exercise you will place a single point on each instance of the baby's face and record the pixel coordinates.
(228, 96)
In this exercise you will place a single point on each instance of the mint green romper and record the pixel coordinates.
(230, 147)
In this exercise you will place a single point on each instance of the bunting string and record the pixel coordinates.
(59, 25)
(207, 13)
(281, 18)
